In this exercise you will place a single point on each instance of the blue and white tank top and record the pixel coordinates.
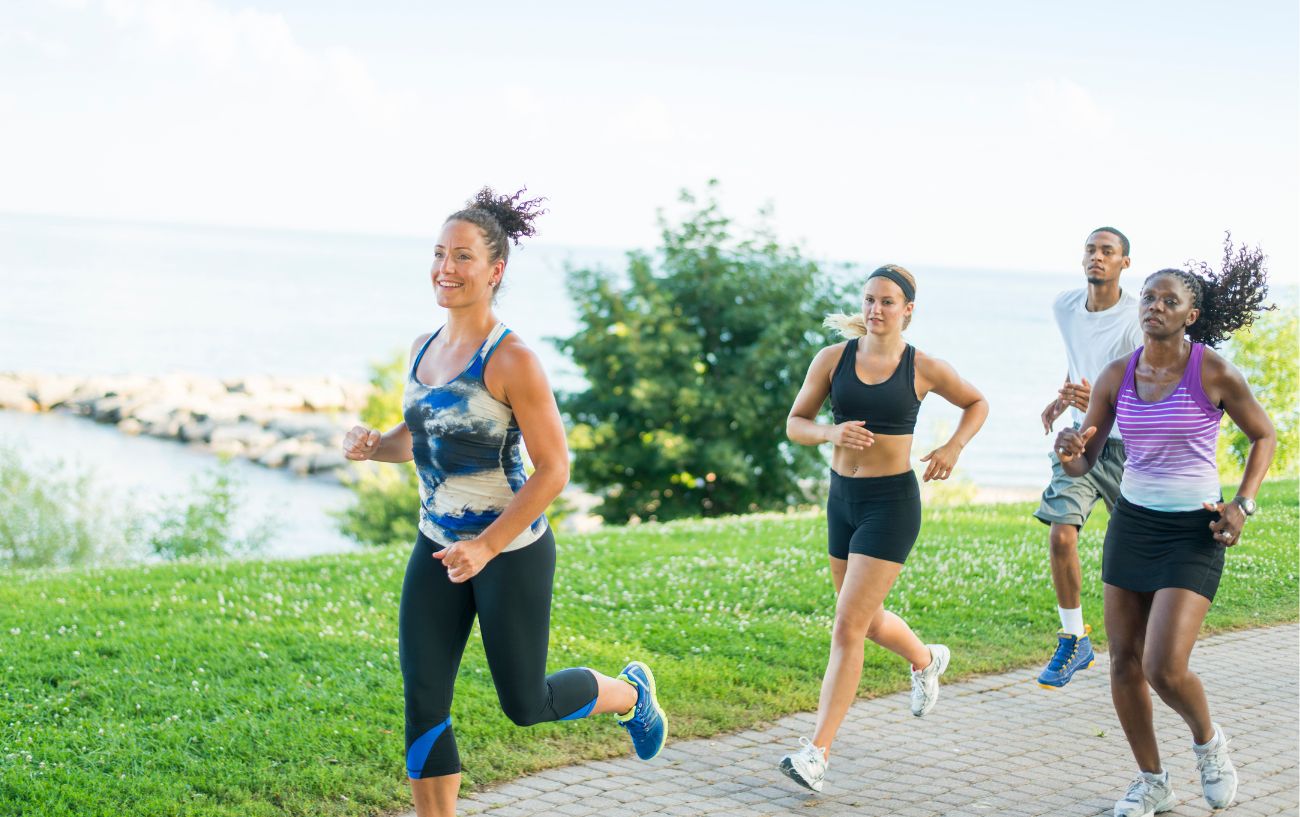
(466, 448)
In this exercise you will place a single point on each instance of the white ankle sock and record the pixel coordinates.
(1205, 747)
(1072, 620)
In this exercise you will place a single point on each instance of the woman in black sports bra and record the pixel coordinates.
(876, 382)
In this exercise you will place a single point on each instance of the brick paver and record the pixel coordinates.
(996, 745)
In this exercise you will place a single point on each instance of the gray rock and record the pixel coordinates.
(279, 453)
(14, 397)
(108, 409)
(50, 391)
(328, 460)
(318, 427)
(197, 431)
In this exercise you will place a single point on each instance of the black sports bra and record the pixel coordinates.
(889, 407)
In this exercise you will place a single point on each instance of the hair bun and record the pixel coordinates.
(514, 213)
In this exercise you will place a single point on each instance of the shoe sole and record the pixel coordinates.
(943, 667)
(1071, 678)
(787, 769)
(654, 702)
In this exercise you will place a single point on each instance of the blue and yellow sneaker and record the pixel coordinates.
(646, 722)
(1073, 653)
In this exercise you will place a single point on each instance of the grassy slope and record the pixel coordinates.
(269, 688)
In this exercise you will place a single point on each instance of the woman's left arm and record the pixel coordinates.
(1225, 386)
(523, 381)
(942, 379)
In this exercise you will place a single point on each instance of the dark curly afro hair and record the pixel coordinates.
(1229, 299)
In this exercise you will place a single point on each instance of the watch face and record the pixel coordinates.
(1247, 505)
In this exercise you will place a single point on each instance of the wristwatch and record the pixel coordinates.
(1246, 504)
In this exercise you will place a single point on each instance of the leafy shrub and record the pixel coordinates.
(52, 515)
(204, 523)
(694, 357)
(1266, 354)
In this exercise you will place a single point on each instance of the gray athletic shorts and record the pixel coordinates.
(1068, 500)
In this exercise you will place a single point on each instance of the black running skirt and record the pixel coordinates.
(1150, 550)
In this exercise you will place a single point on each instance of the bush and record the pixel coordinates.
(204, 525)
(693, 360)
(56, 516)
(1266, 354)
(52, 515)
(386, 507)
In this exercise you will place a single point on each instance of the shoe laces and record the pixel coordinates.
(918, 680)
(1138, 789)
(1212, 760)
(637, 724)
(1065, 650)
(806, 747)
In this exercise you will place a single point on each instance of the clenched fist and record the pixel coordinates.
(361, 443)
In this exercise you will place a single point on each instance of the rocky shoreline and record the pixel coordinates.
(294, 423)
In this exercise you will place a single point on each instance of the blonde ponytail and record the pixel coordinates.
(849, 326)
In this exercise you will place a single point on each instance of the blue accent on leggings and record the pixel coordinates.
(418, 754)
(581, 713)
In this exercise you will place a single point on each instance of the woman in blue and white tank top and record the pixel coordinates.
(474, 392)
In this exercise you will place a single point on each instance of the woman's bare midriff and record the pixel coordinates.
(890, 454)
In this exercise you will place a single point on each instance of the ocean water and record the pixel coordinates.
(85, 297)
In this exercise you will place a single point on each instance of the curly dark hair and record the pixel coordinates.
(1230, 299)
(501, 218)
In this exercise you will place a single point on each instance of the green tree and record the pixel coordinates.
(1266, 355)
(693, 359)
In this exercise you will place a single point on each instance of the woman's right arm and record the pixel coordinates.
(394, 445)
(801, 425)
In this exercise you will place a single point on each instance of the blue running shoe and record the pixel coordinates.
(646, 722)
(1073, 653)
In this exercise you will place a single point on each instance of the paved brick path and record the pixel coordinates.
(997, 745)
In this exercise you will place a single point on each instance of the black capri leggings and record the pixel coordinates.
(874, 516)
(512, 597)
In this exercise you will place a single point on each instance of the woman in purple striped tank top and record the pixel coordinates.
(1166, 540)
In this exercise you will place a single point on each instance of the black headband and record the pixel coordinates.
(887, 272)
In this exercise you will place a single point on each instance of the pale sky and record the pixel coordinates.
(990, 135)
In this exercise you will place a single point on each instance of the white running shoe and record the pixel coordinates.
(925, 683)
(807, 766)
(1218, 775)
(1147, 795)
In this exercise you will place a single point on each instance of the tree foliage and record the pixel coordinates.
(693, 358)
(1266, 354)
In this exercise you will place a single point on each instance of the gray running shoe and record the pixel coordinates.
(1148, 794)
(807, 766)
(1218, 775)
(925, 683)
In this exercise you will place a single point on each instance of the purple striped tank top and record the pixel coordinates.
(1170, 444)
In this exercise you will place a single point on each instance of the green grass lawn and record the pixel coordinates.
(272, 688)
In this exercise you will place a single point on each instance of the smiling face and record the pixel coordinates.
(463, 270)
(1166, 307)
(1103, 258)
(884, 308)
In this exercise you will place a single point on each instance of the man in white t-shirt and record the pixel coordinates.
(1098, 323)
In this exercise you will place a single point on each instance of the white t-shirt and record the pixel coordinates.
(1093, 339)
